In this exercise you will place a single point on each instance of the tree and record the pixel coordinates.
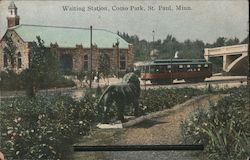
(246, 40)
(233, 41)
(169, 47)
(43, 67)
(10, 50)
(221, 41)
(104, 67)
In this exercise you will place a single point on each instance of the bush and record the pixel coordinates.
(43, 127)
(60, 82)
(9, 80)
(152, 100)
(223, 128)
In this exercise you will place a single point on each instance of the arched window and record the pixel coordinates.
(122, 61)
(19, 60)
(86, 62)
(5, 60)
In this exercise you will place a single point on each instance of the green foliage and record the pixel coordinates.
(104, 66)
(170, 45)
(10, 50)
(10, 81)
(152, 100)
(223, 128)
(43, 127)
(43, 69)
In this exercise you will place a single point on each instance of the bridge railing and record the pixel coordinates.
(227, 50)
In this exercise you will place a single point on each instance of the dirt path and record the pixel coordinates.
(161, 130)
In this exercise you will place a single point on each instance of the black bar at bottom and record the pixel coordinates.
(139, 148)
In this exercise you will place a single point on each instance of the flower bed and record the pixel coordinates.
(223, 128)
(152, 100)
(43, 127)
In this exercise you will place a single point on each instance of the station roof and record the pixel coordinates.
(69, 37)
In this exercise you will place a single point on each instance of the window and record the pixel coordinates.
(199, 66)
(147, 69)
(151, 69)
(19, 60)
(122, 61)
(66, 62)
(205, 65)
(181, 66)
(85, 63)
(169, 66)
(188, 66)
(5, 60)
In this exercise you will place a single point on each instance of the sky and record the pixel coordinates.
(199, 19)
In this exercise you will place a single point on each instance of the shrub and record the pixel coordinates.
(152, 100)
(9, 80)
(223, 128)
(12, 81)
(43, 127)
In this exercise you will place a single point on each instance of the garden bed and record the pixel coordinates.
(44, 127)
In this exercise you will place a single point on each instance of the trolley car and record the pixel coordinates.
(164, 71)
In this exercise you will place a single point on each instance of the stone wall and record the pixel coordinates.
(22, 47)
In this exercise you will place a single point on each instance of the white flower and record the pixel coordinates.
(17, 152)
(196, 133)
(80, 122)
(10, 131)
(32, 130)
(15, 120)
(40, 117)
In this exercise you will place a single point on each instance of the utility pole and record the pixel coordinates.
(153, 42)
(90, 68)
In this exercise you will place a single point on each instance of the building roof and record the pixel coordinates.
(68, 37)
(12, 5)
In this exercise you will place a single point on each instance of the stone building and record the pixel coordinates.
(71, 45)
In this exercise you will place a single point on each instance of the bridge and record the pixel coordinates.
(235, 58)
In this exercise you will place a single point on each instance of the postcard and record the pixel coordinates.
(124, 79)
